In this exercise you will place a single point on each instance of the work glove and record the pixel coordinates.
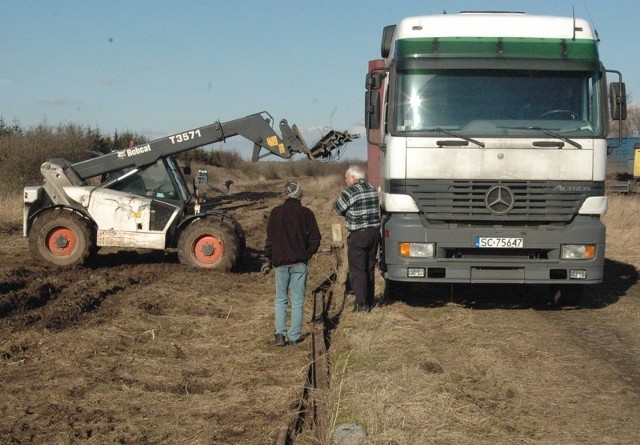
(266, 267)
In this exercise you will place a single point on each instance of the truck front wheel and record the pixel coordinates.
(61, 238)
(395, 290)
(209, 244)
(566, 294)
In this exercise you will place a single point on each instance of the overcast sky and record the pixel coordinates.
(157, 67)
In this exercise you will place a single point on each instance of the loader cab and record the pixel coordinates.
(162, 180)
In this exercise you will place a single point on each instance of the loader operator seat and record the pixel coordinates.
(152, 181)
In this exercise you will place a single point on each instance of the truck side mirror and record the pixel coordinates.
(387, 40)
(372, 110)
(372, 101)
(618, 101)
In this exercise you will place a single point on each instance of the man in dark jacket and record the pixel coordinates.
(293, 238)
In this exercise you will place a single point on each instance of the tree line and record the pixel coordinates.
(23, 150)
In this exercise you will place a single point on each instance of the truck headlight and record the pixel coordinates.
(417, 250)
(577, 251)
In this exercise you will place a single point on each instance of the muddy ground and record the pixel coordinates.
(138, 349)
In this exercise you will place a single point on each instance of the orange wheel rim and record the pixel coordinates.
(208, 249)
(61, 241)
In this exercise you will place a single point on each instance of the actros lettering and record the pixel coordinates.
(186, 136)
(572, 188)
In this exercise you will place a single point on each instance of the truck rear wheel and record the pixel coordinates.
(61, 238)
(209, 244)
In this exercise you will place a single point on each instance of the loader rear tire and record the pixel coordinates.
(61, 238)
(210, 244)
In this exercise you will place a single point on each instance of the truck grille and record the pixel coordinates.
(498, 202)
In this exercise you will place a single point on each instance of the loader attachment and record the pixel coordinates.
(329, 142)
(294, 143)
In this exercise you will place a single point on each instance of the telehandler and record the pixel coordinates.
(142, 200)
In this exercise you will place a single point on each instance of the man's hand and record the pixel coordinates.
(266, 267)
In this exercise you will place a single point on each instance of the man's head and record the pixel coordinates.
(354, 174)
(292, 190)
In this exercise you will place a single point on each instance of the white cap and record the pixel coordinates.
(292, 190)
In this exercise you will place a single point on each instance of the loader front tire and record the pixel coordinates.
(210, 244)
(242, 237)
(61, 238)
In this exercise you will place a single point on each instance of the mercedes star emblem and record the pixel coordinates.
(499, 200)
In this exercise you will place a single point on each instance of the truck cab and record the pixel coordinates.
(487, 132)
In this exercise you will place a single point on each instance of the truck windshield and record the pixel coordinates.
(497, 103)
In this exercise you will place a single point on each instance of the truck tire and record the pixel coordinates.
(210, 244)
(61, 238)
(566, 294)
(395, 290)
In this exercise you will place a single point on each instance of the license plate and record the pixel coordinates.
(499, 242)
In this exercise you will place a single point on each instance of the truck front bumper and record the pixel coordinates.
(457, 259)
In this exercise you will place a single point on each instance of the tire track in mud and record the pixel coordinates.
(608, 339)
(615, 344)
(57, 298)
(612, 346)
(604, 342)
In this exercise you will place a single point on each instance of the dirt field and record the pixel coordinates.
(140, 349)
(137, 349)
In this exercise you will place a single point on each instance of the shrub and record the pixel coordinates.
(229, 159)
(22, 152)
(272, 170)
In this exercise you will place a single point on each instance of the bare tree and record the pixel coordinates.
(633, 120)
(630, 126)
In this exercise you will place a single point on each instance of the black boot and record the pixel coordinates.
(361, 308)
(280, 341)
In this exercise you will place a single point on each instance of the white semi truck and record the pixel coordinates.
(487, 139)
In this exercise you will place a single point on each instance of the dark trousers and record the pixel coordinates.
(362, 253)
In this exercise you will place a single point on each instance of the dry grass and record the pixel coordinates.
(623, 230)
(416, 374)
(11, 205)
(450, 375)
(391, 380)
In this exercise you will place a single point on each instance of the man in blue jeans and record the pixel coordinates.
(293, 238)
